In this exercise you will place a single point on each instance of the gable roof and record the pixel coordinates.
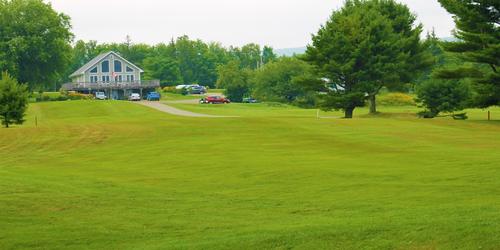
(97, 60)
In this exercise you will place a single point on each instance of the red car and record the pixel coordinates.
(214, 99)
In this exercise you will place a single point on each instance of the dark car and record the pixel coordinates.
(197, 90)
(249, 100)
(214, 100)
(153, 96)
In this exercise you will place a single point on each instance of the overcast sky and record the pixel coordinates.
(279, 23)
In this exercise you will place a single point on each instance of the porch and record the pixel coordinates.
(113, 90)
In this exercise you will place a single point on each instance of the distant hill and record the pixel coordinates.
(449, 39)
(302, 50)
(290, 51)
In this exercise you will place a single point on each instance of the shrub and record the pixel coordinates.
(183, 91)
(61, 98)
(169, 89)
(306, 101)
(79, 96)
(443, 96)
(461, 116)
(426, 114)
(396, 99)
(174, 90)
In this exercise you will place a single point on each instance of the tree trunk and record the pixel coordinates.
(348, 113)
(6, 122)
(373, 104)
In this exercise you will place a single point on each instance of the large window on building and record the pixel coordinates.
(129, 69)
(118, 66)
(94, 70)
(105, 66)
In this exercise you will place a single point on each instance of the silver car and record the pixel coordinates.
(134, 97)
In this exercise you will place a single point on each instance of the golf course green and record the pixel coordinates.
(117, 175)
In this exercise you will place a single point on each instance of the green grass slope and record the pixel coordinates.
(116, 175)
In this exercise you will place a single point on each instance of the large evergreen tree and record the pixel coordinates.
(366, 45)
(478, 33)
(13, 100)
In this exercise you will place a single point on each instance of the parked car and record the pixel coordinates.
(249, 100)
(214, 100)
(182, 86)
(197, 90)
(100, 96)
(134, 97)
(153, 96)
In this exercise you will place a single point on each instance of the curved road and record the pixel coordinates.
(175, 111)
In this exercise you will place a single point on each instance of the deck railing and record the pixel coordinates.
(111, 85)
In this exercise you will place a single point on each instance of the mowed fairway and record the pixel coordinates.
(116, 175)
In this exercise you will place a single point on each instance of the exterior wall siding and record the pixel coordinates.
(86, 77)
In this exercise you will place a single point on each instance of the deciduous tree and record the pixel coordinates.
(34, 41)
(234, 80)
(163, 68)
(283, 80)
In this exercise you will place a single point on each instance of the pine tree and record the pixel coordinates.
(365, 46)
(478, 33)
(13, 100)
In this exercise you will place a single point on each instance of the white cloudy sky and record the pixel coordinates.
(279, 23)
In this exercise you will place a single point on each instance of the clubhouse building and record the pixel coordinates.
(110, 73)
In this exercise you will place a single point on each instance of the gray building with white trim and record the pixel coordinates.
(111, 73)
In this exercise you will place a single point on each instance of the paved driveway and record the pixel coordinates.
(175, 111)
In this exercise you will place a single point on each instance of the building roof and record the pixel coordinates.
(97, 60)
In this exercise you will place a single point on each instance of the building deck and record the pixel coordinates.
(87, 86)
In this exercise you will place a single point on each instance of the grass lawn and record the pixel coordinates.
(165, 96)
(217, 91)
(45, 94)
(116, 175)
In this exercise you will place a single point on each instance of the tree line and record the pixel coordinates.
(370, 45)
(181, 61)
